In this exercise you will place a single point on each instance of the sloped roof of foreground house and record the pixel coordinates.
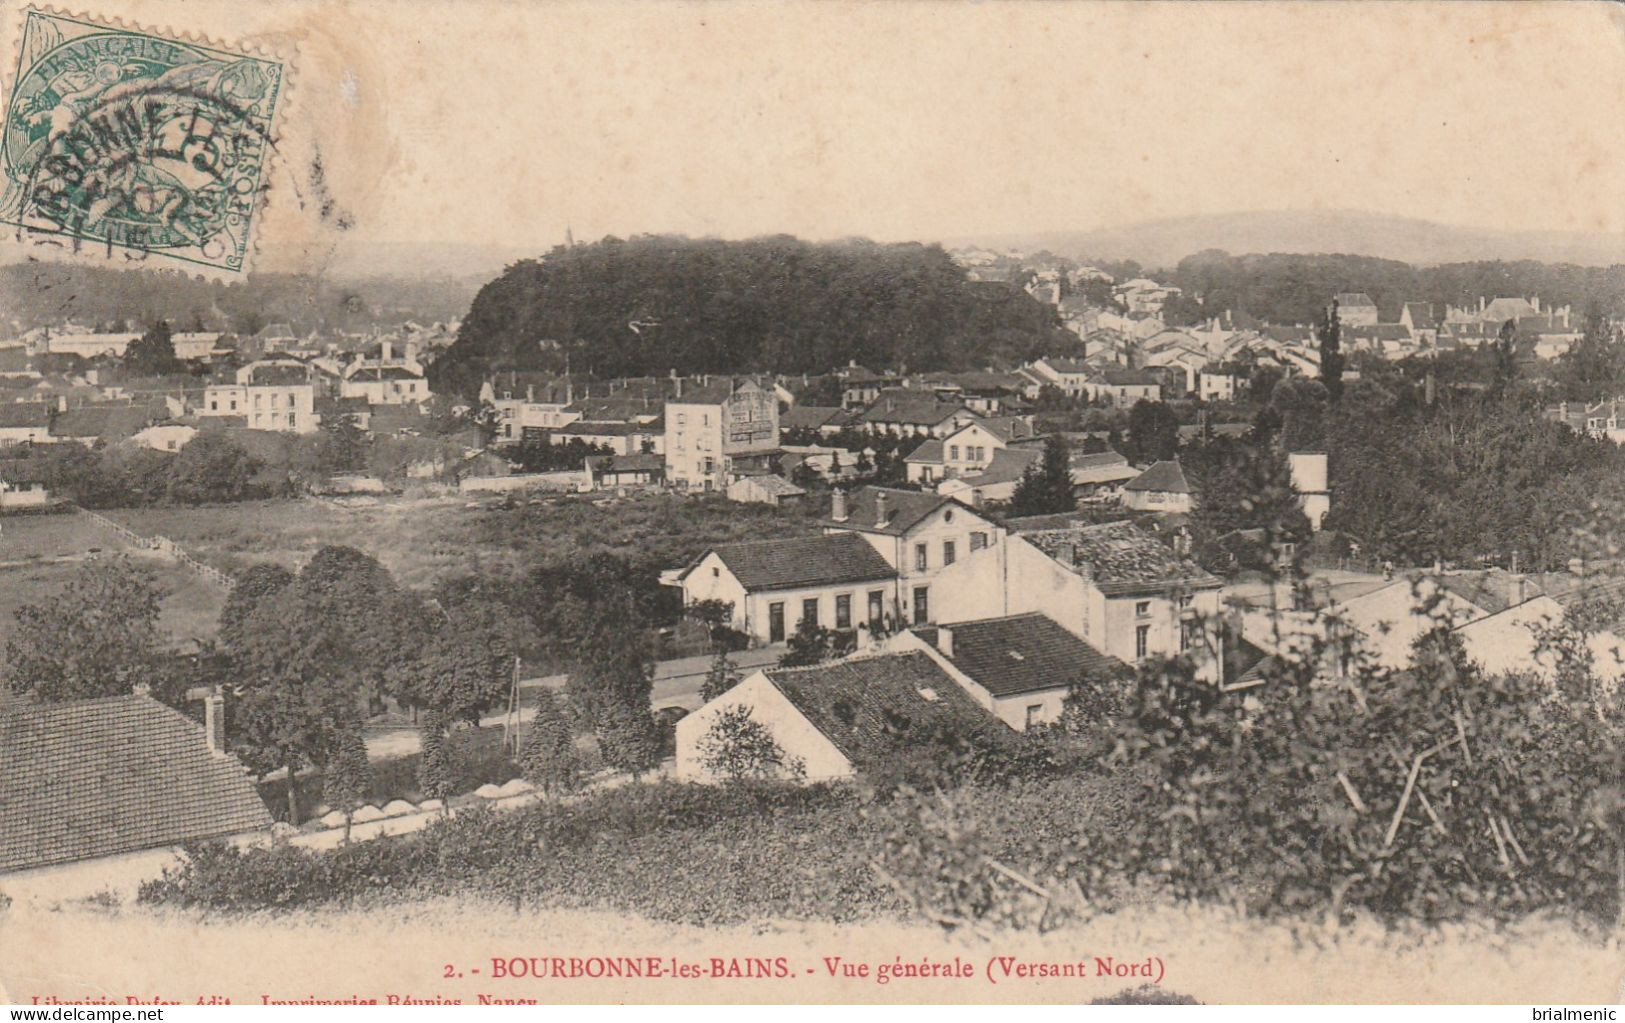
(792, 562)
(89, 778)
(1024, 653)
(873, 708)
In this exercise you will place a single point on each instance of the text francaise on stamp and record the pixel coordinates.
(136, 143)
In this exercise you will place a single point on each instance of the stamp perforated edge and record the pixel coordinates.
(285, 53)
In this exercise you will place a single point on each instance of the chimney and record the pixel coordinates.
(1086, 569)
(385, 351)
(62, 403)
(945, 641)
(141, 689)
(837, 505)
(530, 392)
(214, 720)
(1067, 554)
(880, 508)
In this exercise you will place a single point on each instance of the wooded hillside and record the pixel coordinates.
(650, 305)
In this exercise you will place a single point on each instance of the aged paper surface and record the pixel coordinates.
(433, 136)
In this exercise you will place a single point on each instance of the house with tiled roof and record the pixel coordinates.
(968, 450)
(1162, 488)
(1123, 387)
(1355, 309)
(825, 419)
(764, 488)
(1020, 667)
(902, 413)
(23, 484)
(918, 533)
(1070, 375)
(838, 720)
(83, 781)
(835, 580)
(25, 422)
(625, 470)
(1115, 585)
(111, 422)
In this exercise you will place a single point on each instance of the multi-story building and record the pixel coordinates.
(270, 394)
(918, 534)
(717, 429)
(385, 379)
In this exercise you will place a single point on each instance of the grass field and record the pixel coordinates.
(40, 553)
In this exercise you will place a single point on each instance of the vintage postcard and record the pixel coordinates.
(549, 501)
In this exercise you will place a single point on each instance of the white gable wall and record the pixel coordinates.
(796, 736)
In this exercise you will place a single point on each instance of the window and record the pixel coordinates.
(214, 404)
(1187, 635)
(809, 611)
(291, 420)
(234, 404)
(921, 559)
(775, 623)
(843, 611)
(1035, 714)
(922, 605)
(716, 573)
(978, 540)
(877, 607)
(1142, 609)
(948, 552)
(1142, 641)
(682, 419)
(953, 452)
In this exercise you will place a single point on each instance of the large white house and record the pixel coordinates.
(837, 581)
(918, 534)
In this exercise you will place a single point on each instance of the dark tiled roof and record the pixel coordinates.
(904, 510)
(809, 417)
(776, 486)
(1007, 464)
(279, 376)
(90, 778)
(1006, 428)
(1422, 316)
(1024, 654)
(1493, 590)
(24, 414)
(911, 410)
(873, 708)
(802, 561)
(929, 451)
(1122, 557)
(1082, 460)
(1166, 477)
(1354, 298)
(112, 422)
(714, 393)
(1131, 377)
(579, 429)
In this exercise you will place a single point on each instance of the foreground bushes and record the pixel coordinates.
(699, 854)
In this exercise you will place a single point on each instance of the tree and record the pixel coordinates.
(738, 748)
(344, 783)
(1593, 368)
(252, 586)
(629, 738)
(463, 672)
(342, 446)
(153, 353)
(722, 676)
(1153, 432)
(548, 758)
(1505, 354)
(309, 655)
(211, 468)
(1330, 332)
(1301, 404)
(97, 637)
(436, 776)
(611, 689)
(812, 643)
(1045, 487)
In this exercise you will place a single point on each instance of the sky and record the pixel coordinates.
(505, 123)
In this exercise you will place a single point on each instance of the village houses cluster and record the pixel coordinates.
(950, 605)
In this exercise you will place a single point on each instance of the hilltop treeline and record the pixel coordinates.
(650, 305)
(1290, 288)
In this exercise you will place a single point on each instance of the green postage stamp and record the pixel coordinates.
(136, 144)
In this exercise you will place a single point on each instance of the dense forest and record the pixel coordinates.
(1289, 288)
(650, 305)
(50, 294)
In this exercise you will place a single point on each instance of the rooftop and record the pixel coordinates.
(1024, 653)
(89, 778)
(1121, 557)
(904, 510)
(874, 708)
(791, 562)
(1166, 477)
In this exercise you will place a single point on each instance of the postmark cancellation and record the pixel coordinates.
(134, 145)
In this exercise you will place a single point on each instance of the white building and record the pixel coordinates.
(711, 428)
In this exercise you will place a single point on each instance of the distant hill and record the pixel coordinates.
(1163, 243)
